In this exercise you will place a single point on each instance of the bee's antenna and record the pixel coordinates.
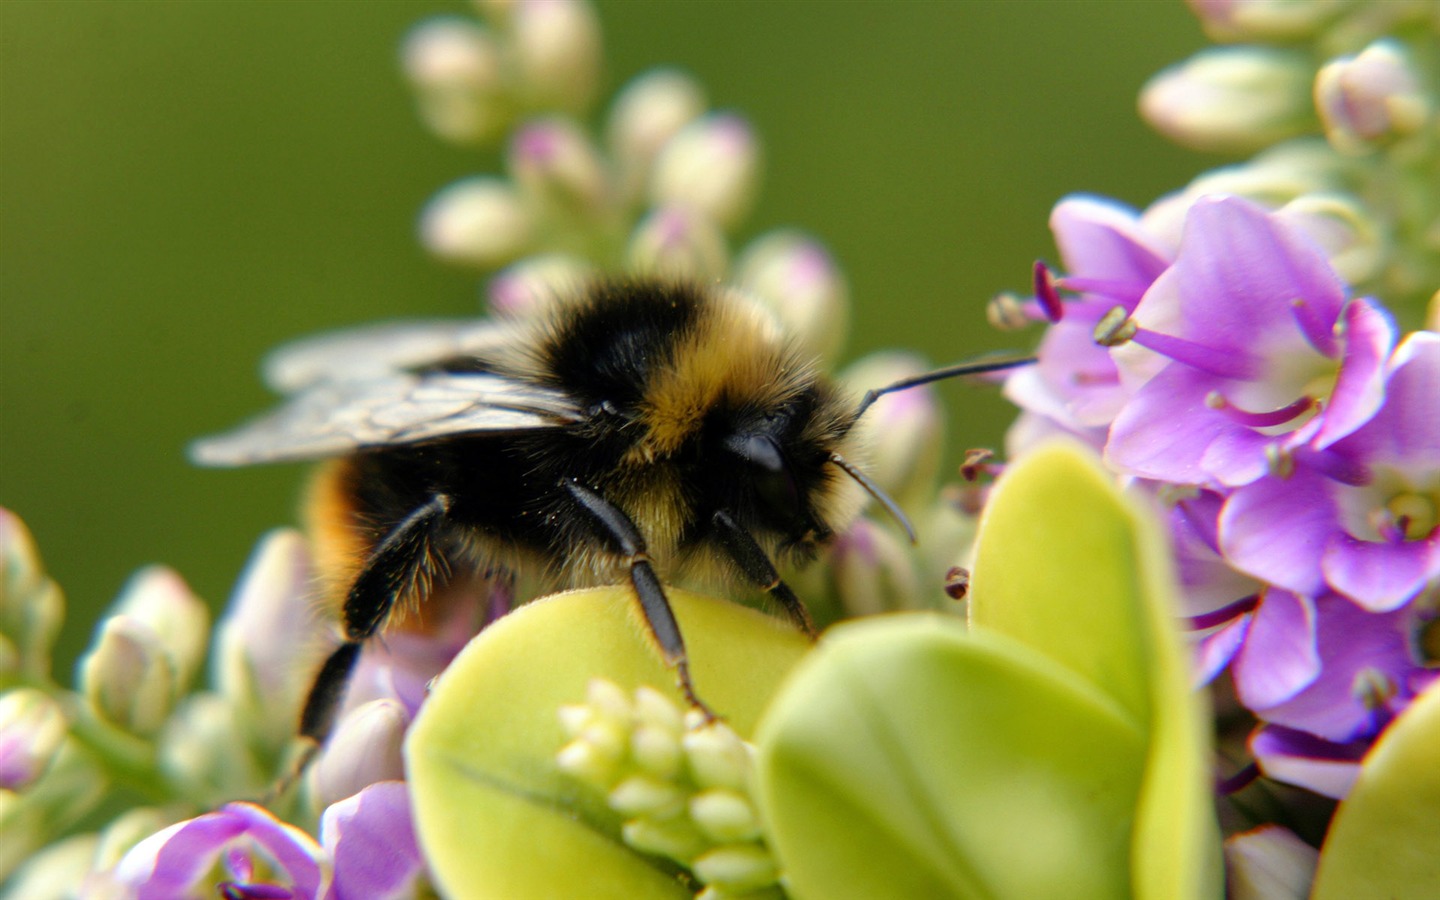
(874, 490)
(973, 367)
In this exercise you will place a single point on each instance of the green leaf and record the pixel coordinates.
(907, 758)
(1070, 566)
(1385, 838)
(494, 815)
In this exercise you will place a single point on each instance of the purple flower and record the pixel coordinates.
(1110, 261)
(1361, 516)
(371, 838)
(1253, 338)
(239, 851)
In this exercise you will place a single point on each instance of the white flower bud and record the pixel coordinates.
(717, 756)
(904, 430)
(556, 47)
(365, 748)
(796, 277)
(724, 816)
(678, 243)
(206, 748)
(60, 871)
(608, 700)
(676, 838)
(653, 708)
(736, 867)
(554, 163)
(536, 281)
(581, 759)
(1228, 21)
(1231, 99)
(160, 598)
(656, 750)
(272, 638)
(128, 677)
(479, 222)
(639, 795)
(646, 114)
(1371, 99)
(31, 605)
(1342, 227)
(711, 166)
(873, 572)
(32, 728)
(455, 67)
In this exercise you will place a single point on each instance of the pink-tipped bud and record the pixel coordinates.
(1231, 99)
(680, 243)
(454, 65)
(648, 112)
(1371, 99)
(712, 166)
(796, 277)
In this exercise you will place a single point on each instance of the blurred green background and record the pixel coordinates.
(184, 185)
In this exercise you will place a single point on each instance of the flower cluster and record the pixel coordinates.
(1220, 351)
(683, 786)
(132, 722)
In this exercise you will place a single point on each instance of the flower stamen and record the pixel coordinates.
(1288, 413)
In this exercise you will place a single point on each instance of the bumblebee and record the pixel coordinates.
(636, 431)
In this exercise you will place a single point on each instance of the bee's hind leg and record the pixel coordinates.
(619, 534)
(403, 566)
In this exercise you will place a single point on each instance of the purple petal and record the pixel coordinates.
(1295, 757)
(1359, 388)
(1216, 650)
(1277, 530)
(1075, 382)
(1379, 575)
(1406, 430)
(1248, 280)
(1354, 644)
(1237, 456)
(1100, 238)
(1279, 657)
(372, 839)
(1163, 431)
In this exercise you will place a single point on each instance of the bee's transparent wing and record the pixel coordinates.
(335, 417)
(370, 351)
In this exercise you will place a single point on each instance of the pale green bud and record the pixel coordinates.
(1371, 99)
(873, 571)
(455, 67)
(125, 831)
(640, 795)
(646, 114)
(205, 748)
(712, 166)
(656, 750)
(796, 277)
(59, 872)
(480, 222)
(725, 816)
(676, 838)
(718, 758)
(736, 867)
(676, 242)
(555, 46)
(1343, 228)
(31, 605)
(160, 599)
(655, 709)
(365, 748)
(128, 677)
(1231, 99)
(1228, 21)
(32, 728)
(608, 700)
(904, 430)
(555, 163)
(536, 281)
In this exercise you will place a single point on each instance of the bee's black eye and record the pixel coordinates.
(773, 481)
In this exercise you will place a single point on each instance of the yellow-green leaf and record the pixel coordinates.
(1068, 565)
(1384, 841)
(907, 758)
(495, 817)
